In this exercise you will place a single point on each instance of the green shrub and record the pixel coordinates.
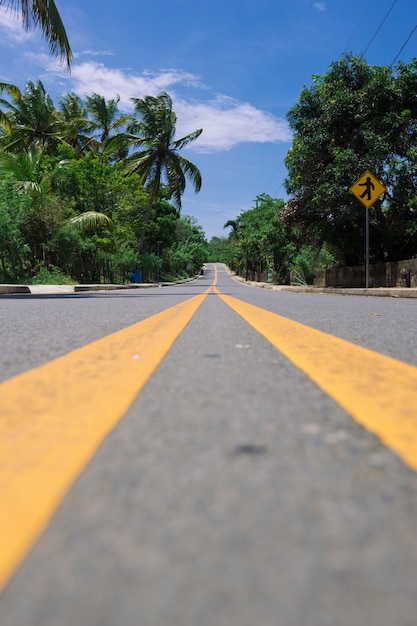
(51, 275)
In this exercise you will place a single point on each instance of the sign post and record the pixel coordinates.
(367, 190)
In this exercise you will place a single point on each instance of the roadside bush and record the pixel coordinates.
(51, 275)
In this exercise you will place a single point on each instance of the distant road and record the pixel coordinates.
(208, 454)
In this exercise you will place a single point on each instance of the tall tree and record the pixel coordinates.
(33, 119)
(45, 15)
(105, 121)
(357, 117)
(158, 160)
(31, 173)
(73, 114)
(259, 240)
(14, 251)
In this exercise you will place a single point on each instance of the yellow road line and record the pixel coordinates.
(54, 418)
(214, 283)
(377, 391)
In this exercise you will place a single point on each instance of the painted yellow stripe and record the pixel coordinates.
(377, 391)
(54, 417)
(215, 277)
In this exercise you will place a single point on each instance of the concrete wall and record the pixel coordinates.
(400, 274)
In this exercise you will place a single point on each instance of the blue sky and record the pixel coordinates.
(233, 68)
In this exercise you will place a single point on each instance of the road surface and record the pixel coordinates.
(208, 454)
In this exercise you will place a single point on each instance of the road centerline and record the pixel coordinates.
(54, 418)
(376, 390)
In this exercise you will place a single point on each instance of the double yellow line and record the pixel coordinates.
(53, 418)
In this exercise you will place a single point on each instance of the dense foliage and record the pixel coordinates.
(88, 194)
(260, 246)
(357, 117)
(71, 205)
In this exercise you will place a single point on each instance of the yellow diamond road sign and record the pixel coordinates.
(367, 189)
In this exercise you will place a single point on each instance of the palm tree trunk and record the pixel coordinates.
(147, 218)
(154, 193)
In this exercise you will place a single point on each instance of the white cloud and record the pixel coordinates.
(225, 121)
(320, 6)
(93, 77)
(95, 53)
(11, 27)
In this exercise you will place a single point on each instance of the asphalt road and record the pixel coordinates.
(234, 491)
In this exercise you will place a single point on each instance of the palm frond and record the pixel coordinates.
(179, 144)
(142, 163)
(45, 15)
(192, 172)
(5, 122)
(90, 221)
(10, 89)
(29, 187)
(10, 164)
(15, 93)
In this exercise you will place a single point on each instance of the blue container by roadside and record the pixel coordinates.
(136, 276)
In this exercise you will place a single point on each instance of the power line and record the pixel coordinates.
(404, 45)
(358, 24)
(379, 28)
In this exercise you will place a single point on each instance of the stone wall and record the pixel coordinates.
(400, 274)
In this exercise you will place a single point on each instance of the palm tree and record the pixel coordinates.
(105, 120)
(33, 119)
(45, 14)
(29, 177)
(26, 169)
(73, 114)
(158, 159)
(13, 91)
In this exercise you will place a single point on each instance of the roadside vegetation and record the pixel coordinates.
(89, 194)
(355, 118)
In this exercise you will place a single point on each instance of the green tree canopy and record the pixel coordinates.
(105, 121)
(259, 239)
(33, 120)
(190, 250)
(70, 210)
(73, 115)
(357, 117)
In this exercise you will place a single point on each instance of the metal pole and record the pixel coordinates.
(367, 248)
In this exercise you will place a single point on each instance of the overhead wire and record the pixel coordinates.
(378, 29)
(358, 24)
(404, 45)
(372, 39)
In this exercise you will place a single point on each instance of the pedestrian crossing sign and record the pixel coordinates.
(367, 189)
